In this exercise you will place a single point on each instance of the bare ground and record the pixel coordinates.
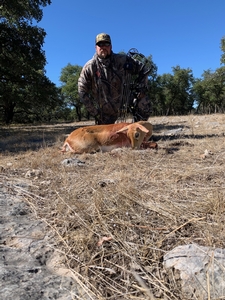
(114, 215)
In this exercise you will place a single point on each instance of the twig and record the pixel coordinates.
(189, 221)
(141, 226)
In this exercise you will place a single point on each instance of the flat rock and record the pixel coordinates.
(202, 270)
(28, 258)
(69, 162)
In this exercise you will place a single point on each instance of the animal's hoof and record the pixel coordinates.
(149, 145)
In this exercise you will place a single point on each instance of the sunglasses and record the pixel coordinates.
(102, 44)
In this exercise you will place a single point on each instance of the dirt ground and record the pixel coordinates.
(113, 216)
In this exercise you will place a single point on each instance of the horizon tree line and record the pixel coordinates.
(27, 95)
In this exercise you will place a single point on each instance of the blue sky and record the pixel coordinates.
(175, 32)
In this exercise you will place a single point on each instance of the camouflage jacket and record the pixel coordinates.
(102, 81)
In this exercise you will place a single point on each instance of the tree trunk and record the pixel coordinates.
(78, 111)
(8, 112)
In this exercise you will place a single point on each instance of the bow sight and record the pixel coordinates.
(137, 84)
(146, 65)
(133, 52)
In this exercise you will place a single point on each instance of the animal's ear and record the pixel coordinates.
(142, 128)
(135, 126)
(123, 130)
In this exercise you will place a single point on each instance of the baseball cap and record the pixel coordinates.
(102, 37)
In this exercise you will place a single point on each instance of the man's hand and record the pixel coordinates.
(140, 95)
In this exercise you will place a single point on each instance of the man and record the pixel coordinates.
(103, 84)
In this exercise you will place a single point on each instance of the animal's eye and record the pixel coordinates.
(137, 134)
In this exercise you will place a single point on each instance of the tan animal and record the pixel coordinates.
(107, 137)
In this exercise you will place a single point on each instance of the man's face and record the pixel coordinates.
(103, 49)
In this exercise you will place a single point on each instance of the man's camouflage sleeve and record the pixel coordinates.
(85, 83)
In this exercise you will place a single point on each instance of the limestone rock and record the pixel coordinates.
(202, 270)
(28, 259)
(69, 162)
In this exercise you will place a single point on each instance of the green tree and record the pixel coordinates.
(222, 47)
(216, 89)
(152, 83)
(158, 96)
(219, 89)
(69, 78)
(22, 60)
(22, 11)
(210, 91)
(176, 91)
(201, 100)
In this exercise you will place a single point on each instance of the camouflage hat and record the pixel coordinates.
(102, 37)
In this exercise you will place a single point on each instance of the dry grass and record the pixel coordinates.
(145, 202)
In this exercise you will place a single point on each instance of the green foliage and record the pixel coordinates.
(210, 91)
(17, 11)
(25, 91)
(222, 47)
(174, 92)
(69, 78)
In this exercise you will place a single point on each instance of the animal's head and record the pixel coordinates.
(136, 133)
(148, 126)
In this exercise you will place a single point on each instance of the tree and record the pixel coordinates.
(69, 78)
(222, 47)
(199, 90)
(152, 83)
(210, 91)
(176, 91)
(158, 96)
(22, 11)
(22, 59)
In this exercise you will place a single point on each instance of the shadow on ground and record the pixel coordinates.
(25, 138)
(19, 139)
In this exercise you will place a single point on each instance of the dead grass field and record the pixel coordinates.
(143, 202)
